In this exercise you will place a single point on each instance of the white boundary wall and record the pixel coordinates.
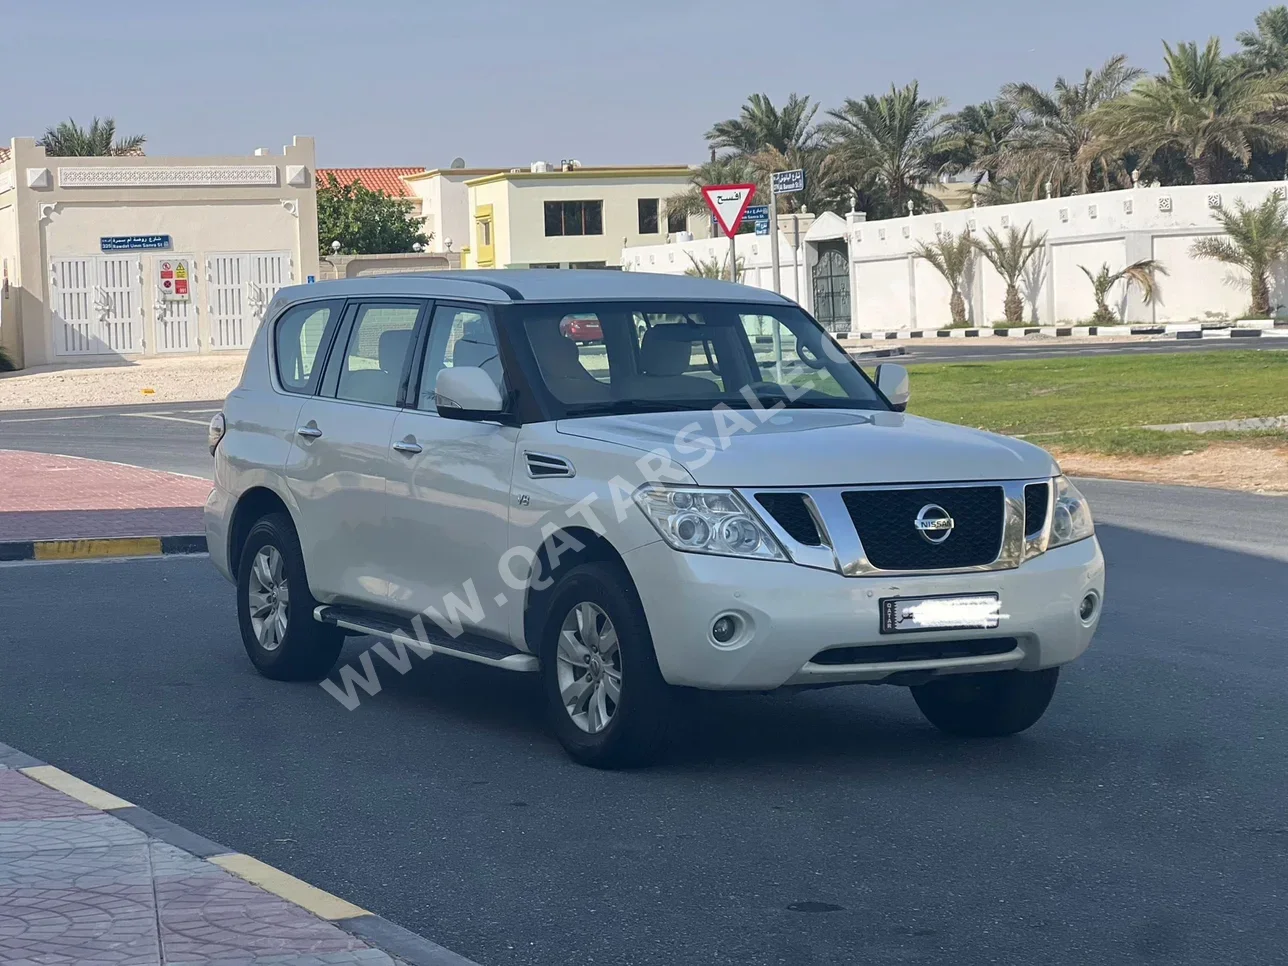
(892, 289)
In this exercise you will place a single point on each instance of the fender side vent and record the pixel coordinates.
(541, 466)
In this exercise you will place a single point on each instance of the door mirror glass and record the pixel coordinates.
(466, 389)
(892, 380)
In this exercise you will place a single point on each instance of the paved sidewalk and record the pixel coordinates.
(88, 878)
(46, 497)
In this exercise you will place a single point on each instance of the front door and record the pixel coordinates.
(832, 287)
(340, 459)
(449, 491)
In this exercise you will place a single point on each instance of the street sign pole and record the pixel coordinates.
(780, 182)
(733, 259)
(728, 203)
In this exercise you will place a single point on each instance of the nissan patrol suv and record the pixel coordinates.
(710, 494)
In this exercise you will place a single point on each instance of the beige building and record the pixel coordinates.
(568, 216)
(133, 256)
(444, 198)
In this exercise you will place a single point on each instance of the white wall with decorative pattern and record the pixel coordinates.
(245, 225)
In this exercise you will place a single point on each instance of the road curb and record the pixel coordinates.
(101, 548)
(1249, 330)
(376, 931)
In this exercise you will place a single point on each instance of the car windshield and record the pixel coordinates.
(624, 357)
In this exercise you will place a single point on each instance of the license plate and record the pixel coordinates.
(900, 615)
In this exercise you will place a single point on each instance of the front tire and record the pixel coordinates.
(607, 701)
(990, 705)
(275, 608)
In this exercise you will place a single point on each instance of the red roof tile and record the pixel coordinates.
(4, 155)
(388, 180)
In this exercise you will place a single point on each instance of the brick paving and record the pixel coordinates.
(80, 886)
(45, 497)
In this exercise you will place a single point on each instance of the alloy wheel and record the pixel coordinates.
(270, 598)
(589, 666)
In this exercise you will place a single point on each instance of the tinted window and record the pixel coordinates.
(300, 337)
(378, 346)
(574, 218)
(458, 336)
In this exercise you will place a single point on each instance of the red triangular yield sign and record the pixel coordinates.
(728, 202)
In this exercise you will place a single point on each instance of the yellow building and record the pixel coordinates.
(568, 216)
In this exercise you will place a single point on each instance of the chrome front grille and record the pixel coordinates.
(871, 530)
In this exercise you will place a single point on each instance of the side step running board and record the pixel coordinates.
(468, 647)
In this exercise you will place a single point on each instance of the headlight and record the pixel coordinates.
(701, 520)
(1070, 515)
(216, 432)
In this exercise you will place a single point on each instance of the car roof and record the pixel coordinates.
(535, 285)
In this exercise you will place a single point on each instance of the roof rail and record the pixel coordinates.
(509, 290)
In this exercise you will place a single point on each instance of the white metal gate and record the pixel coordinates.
(241, 286)
(97, 304)
(176, 321)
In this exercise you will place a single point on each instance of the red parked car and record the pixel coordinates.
(582, 328)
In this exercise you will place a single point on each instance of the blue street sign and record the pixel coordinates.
(311, 280)
(786, 182)
(757, 213)
(126, 243)
(762, 226)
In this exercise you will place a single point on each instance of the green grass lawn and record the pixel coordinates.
(1099, 403)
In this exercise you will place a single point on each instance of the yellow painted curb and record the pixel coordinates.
(85, 549)
(58, 779)
(321, 904)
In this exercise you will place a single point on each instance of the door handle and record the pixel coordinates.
(406, 446)
(308, 432)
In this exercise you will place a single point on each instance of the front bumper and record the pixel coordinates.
(791, 613)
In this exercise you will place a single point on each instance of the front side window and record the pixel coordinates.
(458, 336)
(299, 339)
(379, 342)
(574, 218)
(676, 221)
(670, 357)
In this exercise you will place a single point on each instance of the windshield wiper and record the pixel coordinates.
(628, 406)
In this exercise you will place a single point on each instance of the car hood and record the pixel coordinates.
(832, 447)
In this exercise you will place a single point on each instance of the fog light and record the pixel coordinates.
(725, 629)
(1087, 609)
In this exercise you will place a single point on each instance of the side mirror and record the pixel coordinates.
(467, 392)
(892, 380)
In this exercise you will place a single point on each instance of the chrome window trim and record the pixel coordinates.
(842, 550)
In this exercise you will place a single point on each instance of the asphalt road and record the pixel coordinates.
(1142, 821)
(160, 437)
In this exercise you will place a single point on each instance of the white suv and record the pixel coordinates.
(700, 490)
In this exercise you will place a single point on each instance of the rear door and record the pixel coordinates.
(340, 458)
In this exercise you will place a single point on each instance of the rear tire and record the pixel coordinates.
(275, 608)
(597, 656)
(991, 705)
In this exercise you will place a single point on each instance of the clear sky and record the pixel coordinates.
(418, 82)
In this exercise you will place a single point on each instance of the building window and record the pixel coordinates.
(485, 232)
(574, 218)
(648, 216)
(676, 221)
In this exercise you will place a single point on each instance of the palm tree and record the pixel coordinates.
(1052, 131)
(975, 136)
(889, 144)
(950, 257)
(70, 140)
(1142, 273)
(1206, 106)
(727, 169)
(760, 125)
(713, 268)
(1266, 49)
(1256, 238)
(1010, 256)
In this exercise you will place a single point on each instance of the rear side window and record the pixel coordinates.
(379, 344)
(301, 337)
